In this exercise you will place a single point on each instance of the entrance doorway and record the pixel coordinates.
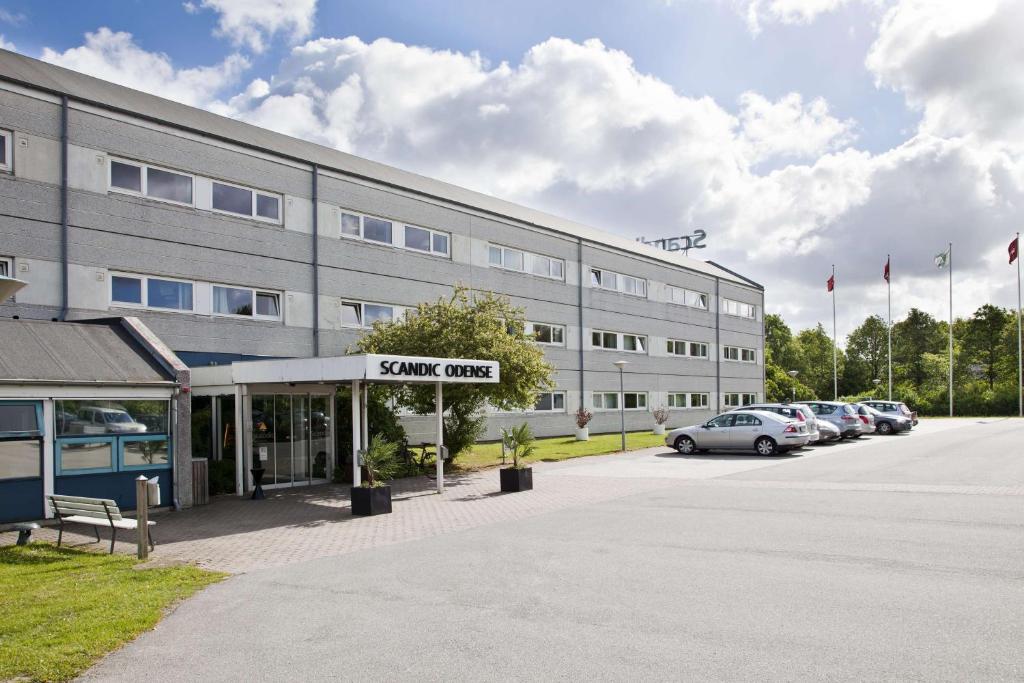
(291, 438)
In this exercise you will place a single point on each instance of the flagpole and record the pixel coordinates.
(888, 285)
(1020, 364)
(835, 372)
(951, 329)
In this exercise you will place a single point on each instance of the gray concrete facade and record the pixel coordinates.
(112, 232)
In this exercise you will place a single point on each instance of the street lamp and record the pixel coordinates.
(620, 364)
(876, 382)
(793, 374)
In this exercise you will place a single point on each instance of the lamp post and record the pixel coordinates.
(876, 382)
(793, 374)
(620, 364)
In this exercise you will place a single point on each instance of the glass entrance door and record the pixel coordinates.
(289, 433)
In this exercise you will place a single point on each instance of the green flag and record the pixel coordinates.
(942, 259)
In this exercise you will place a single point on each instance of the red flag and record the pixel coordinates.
(1013, 249)
(831, 283)
(885, 274)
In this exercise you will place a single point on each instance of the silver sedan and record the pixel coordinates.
(745, 430)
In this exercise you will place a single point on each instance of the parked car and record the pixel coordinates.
(893, 408)
(867, 419)
(795, 411)
(757, 430)
(98, 420)
(843, 416)
(889, 423)
(828, 431)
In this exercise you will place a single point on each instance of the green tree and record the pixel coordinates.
(816, 349)
(912, 338)
(984, 340)
(867, 351)
(780, 347)
(482, 326)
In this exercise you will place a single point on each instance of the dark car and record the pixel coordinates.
(889, 423)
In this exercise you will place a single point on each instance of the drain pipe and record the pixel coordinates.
(316, 264)
(579, 308)
(718, 345)
(63, 207)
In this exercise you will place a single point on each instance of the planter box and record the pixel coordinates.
(659, 429)
(513, 480)
(371, 501)
(583, 433)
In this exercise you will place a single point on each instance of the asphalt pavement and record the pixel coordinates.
(889, 558)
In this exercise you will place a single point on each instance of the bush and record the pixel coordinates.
(462, 428)
(583, 417)
(381, 419)
(379, 461)
(519, 442)
(221, 476)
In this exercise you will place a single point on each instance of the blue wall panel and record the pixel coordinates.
(21, 500)
(118, 486)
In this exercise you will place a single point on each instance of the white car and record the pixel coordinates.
(99, 420)
(741, 430)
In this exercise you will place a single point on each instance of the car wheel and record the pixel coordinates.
(884, 428)
(765, 446)
(685, 445)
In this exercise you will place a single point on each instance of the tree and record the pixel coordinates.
(867, 351)
(816, 349)
(779, 346)
(483, 326)
(984, 340)
(912, 338)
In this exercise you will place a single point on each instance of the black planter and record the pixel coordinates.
(513, 480)
(371, 500)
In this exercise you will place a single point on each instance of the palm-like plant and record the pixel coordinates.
(519, 442)
(379, 460)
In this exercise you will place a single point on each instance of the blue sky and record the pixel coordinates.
(798, 133)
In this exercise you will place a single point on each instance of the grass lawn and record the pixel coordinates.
(62, 609)
(559, 448)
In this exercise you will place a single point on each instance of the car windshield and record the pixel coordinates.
(117, 417)
(850, 410)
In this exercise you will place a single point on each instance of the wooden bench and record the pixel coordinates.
(94, 512)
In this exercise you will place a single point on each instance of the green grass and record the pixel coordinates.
(559, 448)
(62, 609)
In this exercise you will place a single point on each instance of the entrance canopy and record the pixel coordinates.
(244, 377)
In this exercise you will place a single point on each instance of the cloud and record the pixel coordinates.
(114, 56)
(789, 128)
(758, 12)
(252, 23)
(6, 44)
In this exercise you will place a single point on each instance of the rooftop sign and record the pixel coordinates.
(683, 243)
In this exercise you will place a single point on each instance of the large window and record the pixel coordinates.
(151, 292)
(631, 400)
(428, 241)
(737, 353)
(6, 266)
(738, 308)
(634, 400)
(359, 314)
(244, 201)
(545, 333)
(738, 400)
(243, 301)
(618, 341)
(6, 150)
(690, 349)
(95, 417)
(550, 402)
(688, 400)
(687, 297)
(21, 432)
(382, 231)
(606, 401)
(132, 177)
(617, 282)
(525, 262)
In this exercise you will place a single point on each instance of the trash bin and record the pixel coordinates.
(153, 492)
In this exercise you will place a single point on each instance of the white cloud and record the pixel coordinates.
(253, 22)
(759, 12)
(6, 44)
(114, 56)
(789, 128)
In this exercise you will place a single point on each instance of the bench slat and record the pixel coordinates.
(81, 499)
(85, 513)
(84, 506)
(92, 521)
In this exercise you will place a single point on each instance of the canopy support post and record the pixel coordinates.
(357, 421)
(439, 410)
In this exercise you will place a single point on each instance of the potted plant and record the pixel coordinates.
(374, 496)
(518, 442)
(660, 418)
(583, 418)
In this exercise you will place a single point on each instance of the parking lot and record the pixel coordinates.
(895, 557)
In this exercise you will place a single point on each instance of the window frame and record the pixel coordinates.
(672, 289)
(726, 305)
(397, 228)
(122, 467)
(396, 311)
(9, 261)
(620, 341)
(7, 166)
(638, 394)
(144, 178)
(531, 331)
(528, 261)
(252, 203)
(254, 290)
(144, 287)
(687, 347)
(741, 399)
(599, 279)
(593, 400)
(431, 233)
(740, 350)
(553, 409)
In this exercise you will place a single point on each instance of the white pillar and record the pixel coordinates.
(364, 399)
(49, 437)
(439, 410)
(239, 441)
(357, 421)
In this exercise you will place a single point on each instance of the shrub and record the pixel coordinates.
(379, 461)
(660, 415)
(519, 442)
(583, 417)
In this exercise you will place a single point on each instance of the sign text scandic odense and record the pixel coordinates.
(398, 368)
(682, 243)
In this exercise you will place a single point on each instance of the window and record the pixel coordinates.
(244, 201)
(91, 417)
(722, 421)
(681, 400)
(739, 354)
(547, 334)
(550, 401)
(151, 292)
(605, 279)
(698, 400)
(744, 420)
(376, 230)
(144, 453)
(632, 400)
(6, 150)
(243, 301)
(525, 262)
(606, 401)
(738, 308)
(634, 343)
(422, 239)
(677, 347)
(6, 266)
(149, 181)
(738, 400)
(687, 297)
(358, 314)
